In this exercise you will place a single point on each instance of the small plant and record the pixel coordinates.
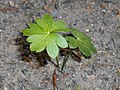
(46, 34)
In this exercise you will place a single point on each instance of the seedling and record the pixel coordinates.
(46, 34)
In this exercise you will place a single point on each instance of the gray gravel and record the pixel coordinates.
(100, 19)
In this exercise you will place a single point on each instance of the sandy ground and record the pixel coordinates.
(100, 19)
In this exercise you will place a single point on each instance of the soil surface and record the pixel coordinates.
(99, 19)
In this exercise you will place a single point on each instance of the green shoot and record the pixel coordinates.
(44, 34)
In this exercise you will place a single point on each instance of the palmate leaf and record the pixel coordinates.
(44, 35)
(82, 41)
(46, 22)
(33, 29)
(59, 40)
(52, 49)
(59, 26)
(39, 42)
(72, 42)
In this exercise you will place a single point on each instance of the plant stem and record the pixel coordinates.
(65, 60)
(58, 66)
(53, 63)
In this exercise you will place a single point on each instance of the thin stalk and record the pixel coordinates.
(65, 60)
(58, 66)
(52, 63)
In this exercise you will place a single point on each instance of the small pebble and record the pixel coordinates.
(104, 43)
(60, 17)
(104, 11)
(92, 25)
(119, 70)
(74, 75)
(12, 3)
(91, 77)
(108, 11)
(0, 30)
(113, 53)
(55, 14)
(87, 30)
(5, 88)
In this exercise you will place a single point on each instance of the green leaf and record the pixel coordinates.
(33, 29)
(59, 26)
(60, 40)
(80, 35)
(39, 42)
(45, 22)
(85, 49)
(35, 37)
(38, 46)
(82, 41)
(52, 49)
(72, 42)
(43, 34)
